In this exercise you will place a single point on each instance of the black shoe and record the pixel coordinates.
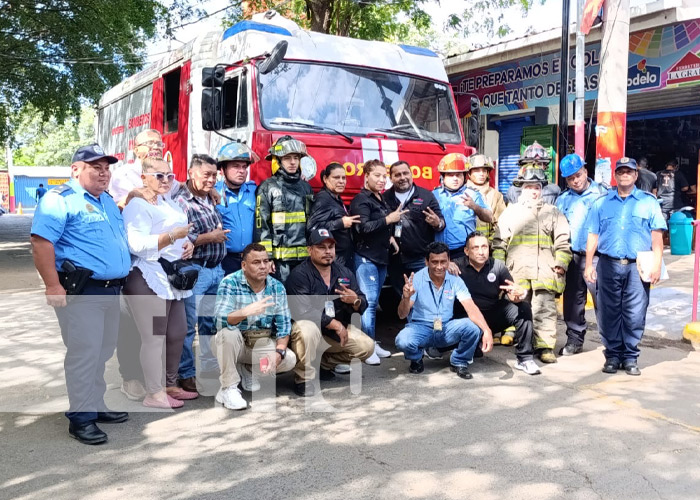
(478, 353)
(611, 366)
(416, 366)
(461, 371)
(112, 417)
(570, 350)
(631, 368)
(87, 433)
(326, 375)
(304, 390)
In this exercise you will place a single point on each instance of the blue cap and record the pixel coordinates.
(93, 152)
(626, 162)
(570, 164)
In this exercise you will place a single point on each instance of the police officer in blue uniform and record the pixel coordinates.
(80, 250)
(622, 223)
(575, 203)
(237, 204)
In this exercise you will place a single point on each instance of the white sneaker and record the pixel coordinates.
(342, 369)
(432, 353)
(382, 353)
(231, 398)
(248, 380)
(373, 359)
(528, 366)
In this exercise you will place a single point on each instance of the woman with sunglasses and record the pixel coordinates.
(157, 227)
(329, 212)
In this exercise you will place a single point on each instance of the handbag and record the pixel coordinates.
(182, 274)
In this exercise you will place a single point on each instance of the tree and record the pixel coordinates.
(56, 53)
(48, 142)
(487, 16)
(365, 19)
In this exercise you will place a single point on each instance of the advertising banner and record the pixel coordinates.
(663, 57)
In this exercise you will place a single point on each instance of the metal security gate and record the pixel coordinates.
(509, 135)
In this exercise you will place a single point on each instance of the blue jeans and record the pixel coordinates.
(199, 308)
(418, 335)
(370, 277)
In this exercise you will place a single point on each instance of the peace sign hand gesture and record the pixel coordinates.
(408, 289)
(431, 217)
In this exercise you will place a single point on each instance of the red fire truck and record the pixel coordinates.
(348, 100)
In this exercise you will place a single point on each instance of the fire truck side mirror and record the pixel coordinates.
(211, 109)
(274, 59)
(213, 77)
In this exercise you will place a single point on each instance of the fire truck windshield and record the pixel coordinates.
(356, 101)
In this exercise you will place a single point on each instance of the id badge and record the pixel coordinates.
(330, 309)
(437, 324)
(397, 231)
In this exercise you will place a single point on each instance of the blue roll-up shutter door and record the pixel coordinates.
(509, 135)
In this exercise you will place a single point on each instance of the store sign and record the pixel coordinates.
(640, 76)
(685, 70)
(661, 57)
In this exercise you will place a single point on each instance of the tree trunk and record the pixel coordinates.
(320, 14)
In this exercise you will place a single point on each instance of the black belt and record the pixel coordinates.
(624, 262)
(106, 283)
(210, 264)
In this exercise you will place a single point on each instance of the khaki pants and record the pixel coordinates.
(544, 318)
(230, 350)
(305, 342)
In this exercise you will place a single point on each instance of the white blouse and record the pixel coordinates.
(144, 222)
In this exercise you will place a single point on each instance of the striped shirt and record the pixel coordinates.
(235, 293)
(203, 214)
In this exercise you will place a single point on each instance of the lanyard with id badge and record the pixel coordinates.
(329, 307)
(437, 321)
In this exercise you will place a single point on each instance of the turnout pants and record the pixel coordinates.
(623, 299)
(575, 295)
(306, 341)
(544, 318)
(89, 328)
(506, 314)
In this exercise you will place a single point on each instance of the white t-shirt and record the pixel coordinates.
(125, 179)
(402, 197)
(144, 222)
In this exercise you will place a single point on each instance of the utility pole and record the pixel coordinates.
(612, 90)
(563, 142)
(579, 120)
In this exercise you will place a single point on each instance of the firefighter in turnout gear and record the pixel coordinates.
(532, 237)
(478, 169)
(282, 206)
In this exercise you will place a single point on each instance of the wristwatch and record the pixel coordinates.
(281, 352)
(357, 302)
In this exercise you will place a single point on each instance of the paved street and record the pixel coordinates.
(570, 433)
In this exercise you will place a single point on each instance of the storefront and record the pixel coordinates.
(517, 84)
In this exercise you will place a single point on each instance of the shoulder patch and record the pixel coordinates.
(63, 190)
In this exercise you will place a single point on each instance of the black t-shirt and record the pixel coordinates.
(646, 181)
(485, 285)
(669, 187)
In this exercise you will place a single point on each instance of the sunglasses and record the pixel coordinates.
(153, 144)
(161, 176)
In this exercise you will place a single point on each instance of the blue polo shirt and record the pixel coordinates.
(460, 221)
(624, 225)
(87, 231)
(430, 302)
(238, 213)
(575, 207)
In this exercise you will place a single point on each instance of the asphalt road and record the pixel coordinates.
(570, 433)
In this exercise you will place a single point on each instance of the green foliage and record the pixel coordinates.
(55, 53)
(48, 142)
(487, 16)
(365, 19)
